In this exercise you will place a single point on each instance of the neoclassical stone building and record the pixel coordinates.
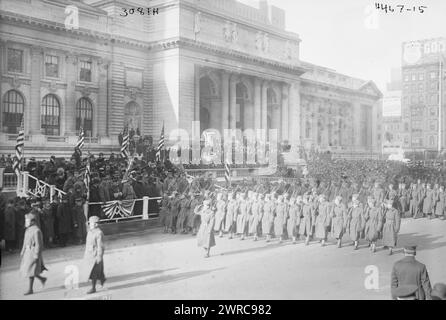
(220, 63)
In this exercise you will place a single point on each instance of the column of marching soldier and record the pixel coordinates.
(305, 215)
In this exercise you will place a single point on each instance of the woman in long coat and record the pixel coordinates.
(280, 218)
(94, 254)
(322, 221)
(441, 201)
(32, 264)
(374, 224)
(205, 236)
(231, 208)
(220, 214)
(293, 220)
(391, 226)
(355, 222)
(268, 216)
(339, 220)
(307, 220)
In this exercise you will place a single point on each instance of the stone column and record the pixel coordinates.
(285, 110)
(33, 121)
(233, 102)
(197, 94)
(225, 99)
(257, 104)
(70, 104)
(265, 105)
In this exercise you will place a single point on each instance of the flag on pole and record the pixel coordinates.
(87, 178)
(125, 143)
(160, 145)
(17, 165)
(227, 173)
(80, 142)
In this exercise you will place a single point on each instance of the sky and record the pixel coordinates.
(354, 38)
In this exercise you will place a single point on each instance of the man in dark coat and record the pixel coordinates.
(64, 221)
(408, 271)
(94, 210)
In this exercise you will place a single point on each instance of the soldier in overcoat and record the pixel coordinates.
(268, 216)
(355, 221)
(428, 202)
(231, 208)
(242, 216)
(205, 236)
(280, 218)
(339, 220)
(391, 227)
(293, 219)
(322, 220)
(220, 214)
(307, 219)
(440, 203)
(32, 265)
(373, 224)
(94, 253)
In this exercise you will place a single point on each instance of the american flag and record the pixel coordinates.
(80, 141)
(17, 165)
(87, 179)
(227, 174)
(160, 145)
(125, 144)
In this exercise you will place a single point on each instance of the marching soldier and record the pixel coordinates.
(280, 218)
(391, 227)
(231, 215)
(373, 224)
(322, 220)
(293, 219)
(205, 236)
(255, 216)
(306, 222)
(220, 214)
(339, 220)
(355, 221)
(268, 216)
(428, 201)
(94, 253)
(440, 203)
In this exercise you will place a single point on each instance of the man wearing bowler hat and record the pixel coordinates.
(409, 271)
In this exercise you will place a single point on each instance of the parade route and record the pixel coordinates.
(153, 265)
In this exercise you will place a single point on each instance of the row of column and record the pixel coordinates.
(260, 100)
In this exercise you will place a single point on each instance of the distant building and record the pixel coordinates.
(422, 71)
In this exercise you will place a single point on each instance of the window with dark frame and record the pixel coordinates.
(51, 66)
(15, 60)
(50, 115)
(84, 116)
(85, 70)
(13, 107)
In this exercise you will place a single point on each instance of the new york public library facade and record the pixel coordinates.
(197, 67)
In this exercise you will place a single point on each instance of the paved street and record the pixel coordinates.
(153, 265)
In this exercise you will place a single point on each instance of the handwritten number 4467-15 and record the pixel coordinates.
(141, 11)
(399, 8)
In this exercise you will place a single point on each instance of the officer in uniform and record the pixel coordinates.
(409, 271)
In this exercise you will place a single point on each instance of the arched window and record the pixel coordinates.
(50, 115)
(13, 106)
(84, 116)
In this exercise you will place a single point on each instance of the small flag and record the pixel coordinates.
(17, 165)
(87, 179)
(160, 145)
(125, 144)
(227, 174)
(80, 142)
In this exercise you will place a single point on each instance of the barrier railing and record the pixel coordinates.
(28, 184)
(118, 210)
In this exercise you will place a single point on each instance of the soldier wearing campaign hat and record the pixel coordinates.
(307, 220)
(374, 223)
(231, 207)
(410, 272)
(205, 236)
(355, 221)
